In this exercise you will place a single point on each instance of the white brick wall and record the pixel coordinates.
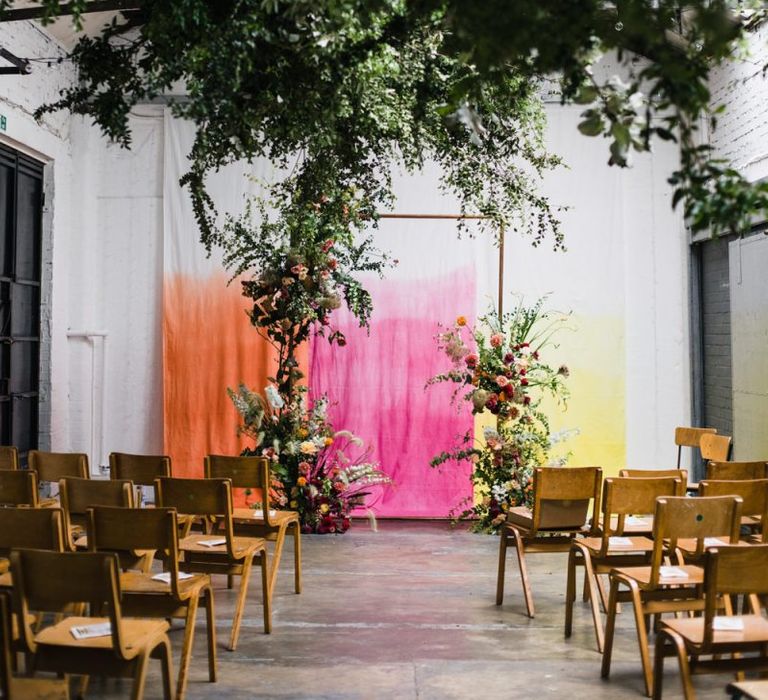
(742, 131)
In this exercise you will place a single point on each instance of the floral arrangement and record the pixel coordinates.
(321, 473)
(498, 368)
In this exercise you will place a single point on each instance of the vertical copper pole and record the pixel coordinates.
(501, 271)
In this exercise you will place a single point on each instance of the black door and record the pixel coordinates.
(21, 205)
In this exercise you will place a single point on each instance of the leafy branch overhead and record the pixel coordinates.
(341, 92)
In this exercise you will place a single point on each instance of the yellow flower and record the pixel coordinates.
(324, 508)
(328, 441)
(294, 504)
(301, 481)
(461, 321)
(308, 448)
(302, 432)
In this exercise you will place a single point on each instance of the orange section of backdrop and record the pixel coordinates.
(209, 344)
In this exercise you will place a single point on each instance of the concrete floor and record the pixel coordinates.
(408, 612)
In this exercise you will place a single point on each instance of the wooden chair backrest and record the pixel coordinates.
(53, 466)
(680, 474)
(562, 496)
(753, 493)
(125, 530)
(680, 517)
(209, 497)
(18, 487)
(244, 473)
(731, 471)
(9, 457)
(732, 571)
(32, 528)
(689, 437)
(53, 581)
(715, 447)
(78, 495)
(142, 470)
(623, 496)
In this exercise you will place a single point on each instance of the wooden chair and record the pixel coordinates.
(253, 473)
(754, 495)
(51, 467)
(52, 582)
(9, 457)
(142, 470)
(690, 437)
(732, 471)
(622, 498)
(18, 487)
(78, 495)
(715, 448)
(727, 571)
(13, 688)
(561, 504)
(658, 589)
(29, 528)
(123, 531)
(234, 557)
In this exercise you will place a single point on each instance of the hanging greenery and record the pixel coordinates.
(343, 91)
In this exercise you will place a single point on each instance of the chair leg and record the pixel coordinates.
(502, 566)
(240, 604)
(610, 626)
(297, 557)
(520, 549)
(139, 677)
(166, 662)
(230, 581)
(592, 581)
(210, 623)
(570, 591)
(659, 653)
(603, 597)
(186, 647)
(276, 555)
(642, 636)
(266, 595)
(685, 669)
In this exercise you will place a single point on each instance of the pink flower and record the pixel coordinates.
(502, 381)
(304, 468)
(325, 274)
(497, 339)
(333, 263)
(327, 245)
(471, 360)
(300, 271)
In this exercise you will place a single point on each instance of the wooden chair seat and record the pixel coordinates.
(6, 582)
(642, 576)
(136, 582)
(748, 690)
(4, 565)
(638, 525)
(278, 517)
(691, 629)
(634, 545)
(687, 546)
(137, 634)
(241, 546)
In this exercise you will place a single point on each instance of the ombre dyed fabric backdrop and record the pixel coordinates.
(376, 384)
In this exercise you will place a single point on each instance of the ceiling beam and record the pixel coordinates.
(37, 12)
(20, 65)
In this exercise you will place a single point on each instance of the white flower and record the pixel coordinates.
(308, 448)
(274, 398)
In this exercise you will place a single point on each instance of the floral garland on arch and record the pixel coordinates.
(499, 369)
(322, 473)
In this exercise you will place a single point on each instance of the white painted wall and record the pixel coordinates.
(102, 263)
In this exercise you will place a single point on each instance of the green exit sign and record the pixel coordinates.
(3, 122)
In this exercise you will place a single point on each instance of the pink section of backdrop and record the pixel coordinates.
(377, 383)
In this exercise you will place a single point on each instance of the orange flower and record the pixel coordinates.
(302, 432)
(461, 321)
(328, 441)
(301, 481)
